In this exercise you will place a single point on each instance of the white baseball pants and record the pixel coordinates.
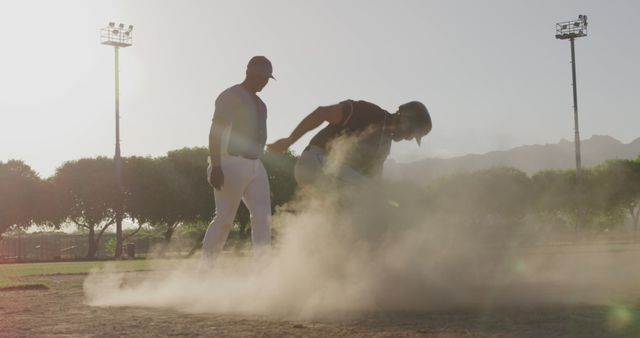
(245, 180)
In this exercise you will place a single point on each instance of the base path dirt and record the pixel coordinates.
(60, 311)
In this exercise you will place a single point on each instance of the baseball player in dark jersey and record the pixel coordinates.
(354, 145)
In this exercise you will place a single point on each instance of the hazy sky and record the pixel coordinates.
(491, 72)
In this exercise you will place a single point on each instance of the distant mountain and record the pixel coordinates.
(529, 158)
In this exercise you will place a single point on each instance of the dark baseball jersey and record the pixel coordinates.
(366, 123)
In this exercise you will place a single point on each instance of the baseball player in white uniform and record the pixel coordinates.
(236, 142)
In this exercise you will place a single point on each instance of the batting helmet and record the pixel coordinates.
(417, 116)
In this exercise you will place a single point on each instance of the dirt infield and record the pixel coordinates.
(61, 311)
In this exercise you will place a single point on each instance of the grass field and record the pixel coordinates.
(11, 274)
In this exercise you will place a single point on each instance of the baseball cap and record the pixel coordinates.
(260, 65)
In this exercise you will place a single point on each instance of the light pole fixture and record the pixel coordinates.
(571, 30)
(118, 37)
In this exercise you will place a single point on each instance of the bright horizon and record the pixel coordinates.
(492, 75)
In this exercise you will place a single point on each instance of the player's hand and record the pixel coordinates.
(280, 146)
(216, 177)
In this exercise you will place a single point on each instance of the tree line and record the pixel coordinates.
(161, 192)
(171, 191)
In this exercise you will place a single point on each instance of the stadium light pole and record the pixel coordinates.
(571, 30)
(118, 37)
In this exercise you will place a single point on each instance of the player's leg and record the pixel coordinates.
(237, 174)
(349, 176)
(308, 167)
(257, 198)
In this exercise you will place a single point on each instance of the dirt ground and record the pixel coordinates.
(59, 311)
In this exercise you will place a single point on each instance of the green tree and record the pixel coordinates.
(88, 192)
(592, 208)
(20, 195)
(555, 196)
(156, 194)
(191, 165)
(620, 187)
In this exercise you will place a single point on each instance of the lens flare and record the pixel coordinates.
(619, 318)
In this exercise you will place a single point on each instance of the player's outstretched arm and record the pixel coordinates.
(332, 114)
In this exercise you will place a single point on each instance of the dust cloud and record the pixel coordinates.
(378, 249)
(361, 253)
